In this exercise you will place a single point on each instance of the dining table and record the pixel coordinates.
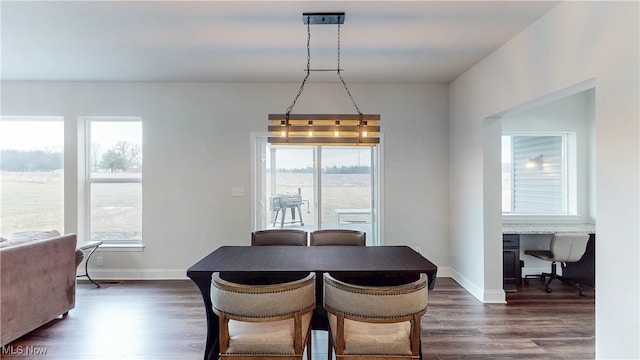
(371, 260)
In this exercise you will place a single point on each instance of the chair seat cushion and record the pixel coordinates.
(540, 254)
(273, 337)
(363, 338)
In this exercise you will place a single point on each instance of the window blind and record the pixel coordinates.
(538, 174)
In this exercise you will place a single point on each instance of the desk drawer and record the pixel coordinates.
(511, 240)
(511, 261)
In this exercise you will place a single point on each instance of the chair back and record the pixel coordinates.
(375, 303)
(279, 237)
(568, 247)
(337, 237)
(272, 301)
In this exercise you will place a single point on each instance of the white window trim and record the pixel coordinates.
(84, 131)
(570, 183)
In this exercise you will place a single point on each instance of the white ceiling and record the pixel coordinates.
(253, 41)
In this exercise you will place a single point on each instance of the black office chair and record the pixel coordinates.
(564, 248)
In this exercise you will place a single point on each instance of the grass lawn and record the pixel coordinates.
(35, 201)
(31, 201)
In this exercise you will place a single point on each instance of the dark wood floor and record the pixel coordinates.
(165, 320)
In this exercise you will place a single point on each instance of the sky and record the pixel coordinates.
(47, 133)
(31, 135)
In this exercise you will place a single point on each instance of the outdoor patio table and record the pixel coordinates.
(319, 259)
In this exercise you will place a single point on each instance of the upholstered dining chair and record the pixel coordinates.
(337, 237)
(270, 321)
(279, 237)
(564, 248)
(381, 322)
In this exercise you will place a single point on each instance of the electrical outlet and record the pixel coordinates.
(99, 261)
(237, 191)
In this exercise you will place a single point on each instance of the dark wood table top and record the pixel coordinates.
(313, 258)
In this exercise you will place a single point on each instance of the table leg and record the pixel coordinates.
(320, 319)
(212, 345)
(432, 280)
(86, 267)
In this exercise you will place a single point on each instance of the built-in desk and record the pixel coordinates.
(583, 271)
(522, 229)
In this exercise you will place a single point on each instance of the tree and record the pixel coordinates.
(123, 156)
(112, 161)
(130, 153)
(31, 160)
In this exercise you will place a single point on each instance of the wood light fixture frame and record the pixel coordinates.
(324, 129)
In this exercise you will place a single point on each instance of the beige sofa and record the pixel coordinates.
(37, 282)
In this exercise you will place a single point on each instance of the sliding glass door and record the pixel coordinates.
(315, 187)
(346, 188)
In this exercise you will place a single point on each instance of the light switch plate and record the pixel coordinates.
(237, 191)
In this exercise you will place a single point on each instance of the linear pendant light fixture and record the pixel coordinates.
(324, 129)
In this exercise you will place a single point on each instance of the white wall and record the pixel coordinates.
(571, 114)
(576, 42)
(196, 146)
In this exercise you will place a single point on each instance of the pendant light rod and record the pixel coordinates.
(322, 18)
(324, 129)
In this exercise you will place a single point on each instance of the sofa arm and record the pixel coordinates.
(79, 257)
(37, 284)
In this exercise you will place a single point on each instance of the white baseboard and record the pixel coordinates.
(467, 285)
(445, 271)
(136, 274)
(495, 296)
(486, 296)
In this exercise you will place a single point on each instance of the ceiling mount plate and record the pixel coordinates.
(323, 18)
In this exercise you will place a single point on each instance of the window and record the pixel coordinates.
(535, 173)
(32, 180)
(324, 187)
(114, 176)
